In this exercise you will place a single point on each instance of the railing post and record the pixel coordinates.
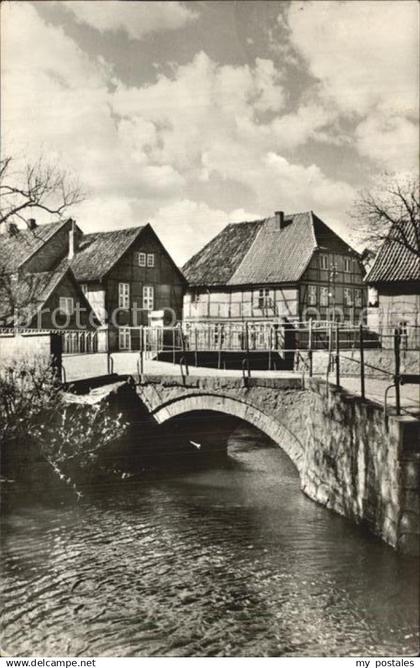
(362, 362)
(219, 352)
(310, 348)
(337, 359)
(181, 334)
(108, 353)
(196, 345)
(330, 348)
(173, 345)
(183, 363)
(397, 356)
(246, 375)
(141, 351)
(247, 342)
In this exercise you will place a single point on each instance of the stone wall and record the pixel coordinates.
(27, 348)
(362, 465)
(350, 458)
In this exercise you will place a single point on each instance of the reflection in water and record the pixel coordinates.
(231, 560)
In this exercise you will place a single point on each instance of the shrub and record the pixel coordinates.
(36, 418)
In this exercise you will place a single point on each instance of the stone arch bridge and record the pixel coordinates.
(350, 458)
(271, 405)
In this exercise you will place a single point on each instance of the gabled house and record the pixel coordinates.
(395, 276)
(121, 279)
(289, 266)
(129, 279)
(34, 292)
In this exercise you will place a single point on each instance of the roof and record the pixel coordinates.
(216, 263)
(26, 296)
(98, 252)
(394, 261)
(16, 249)
(257, 253)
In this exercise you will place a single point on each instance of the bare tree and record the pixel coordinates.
(17, 294)
(38, 185)
(390, 214)
(41, 186)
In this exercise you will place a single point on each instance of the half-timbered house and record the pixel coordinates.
(290, 267)
(395, 278)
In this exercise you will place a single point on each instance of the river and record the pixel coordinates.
(227, 560)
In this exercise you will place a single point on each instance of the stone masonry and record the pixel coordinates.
(350, 457)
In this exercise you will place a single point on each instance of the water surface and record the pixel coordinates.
(231, 560)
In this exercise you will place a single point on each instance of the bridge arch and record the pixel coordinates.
(221, 403)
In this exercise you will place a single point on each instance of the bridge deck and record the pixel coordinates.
(79, 367)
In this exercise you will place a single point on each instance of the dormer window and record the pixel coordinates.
(141, 257)
(150, 259)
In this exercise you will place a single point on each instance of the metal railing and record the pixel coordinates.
(304, 347)
(395, 374)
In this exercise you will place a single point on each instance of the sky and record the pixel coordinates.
(191, 115)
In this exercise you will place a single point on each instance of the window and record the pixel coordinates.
(148, 297)
(312, 295)
(124, 338)
(323, 261)
(357, 297)
(150, 259)
(124, 295)
(261, 336)
(195, 297)
(66, 305)
(324, 297)
(263, 298)
(347, 264)
(348, 297)
(142, 259)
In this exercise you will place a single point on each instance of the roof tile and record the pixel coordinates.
(394, 261)
(98, 252)
(258, 253)
(16, 249)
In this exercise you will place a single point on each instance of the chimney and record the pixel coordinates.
(31, 223)
(12, 229)
(72, 239)
(279, 220)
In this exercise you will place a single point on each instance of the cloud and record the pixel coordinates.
(364, 53)
(390, 140)
(206, 118)
(136, 19)
(365, 57)
(312, 120)
(59, 102)
(105, 213)
(154, 152)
